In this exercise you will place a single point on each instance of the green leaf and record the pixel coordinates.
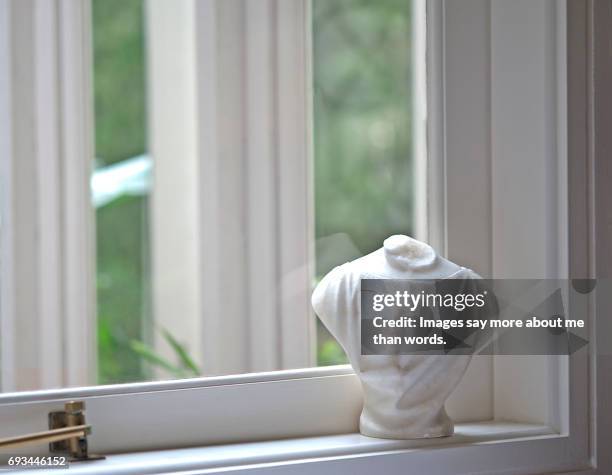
(331, 353)
(186, 360)
(149, 354)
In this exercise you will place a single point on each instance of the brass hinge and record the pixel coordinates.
(67, 434)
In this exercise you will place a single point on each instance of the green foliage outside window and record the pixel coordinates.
(121, 226)
(362, 129)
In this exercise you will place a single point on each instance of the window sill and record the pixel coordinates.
(295, 451)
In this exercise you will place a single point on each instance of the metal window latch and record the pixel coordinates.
(67, 434)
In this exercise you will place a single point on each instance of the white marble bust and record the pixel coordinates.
(404, 395)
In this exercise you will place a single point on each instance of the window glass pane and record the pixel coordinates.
(364, 191)
(203, 236)
(363, 165)
(120, 189)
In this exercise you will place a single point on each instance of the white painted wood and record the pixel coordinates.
(560, 368)
(49, 210)
(7, 241)
(282, 453)
(78, 267)
(23, 365)
(294, 156)
(458, 194)
(525, 160)
(537, 456)
(224, 410)
(299, 415)
(599, 23)
(526, 164)
(175, 196)
(47, 319)
(419, 117)
(252, 119)
(265, 330)
(173, 385)
(580, 400)
(485, 170)
(47, 313)
(231, 201)
(467, 133)
(436, 123)
(210, 146)
(526, 388)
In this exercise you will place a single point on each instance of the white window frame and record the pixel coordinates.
(316, 401)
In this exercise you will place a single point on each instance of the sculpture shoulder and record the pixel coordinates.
(333, 289)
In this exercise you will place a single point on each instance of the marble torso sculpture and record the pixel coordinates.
(404, 395)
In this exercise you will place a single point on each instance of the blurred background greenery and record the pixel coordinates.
(362, 79)
(363, 161)
(122, 237)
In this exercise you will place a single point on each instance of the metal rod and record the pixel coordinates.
(47, 436)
